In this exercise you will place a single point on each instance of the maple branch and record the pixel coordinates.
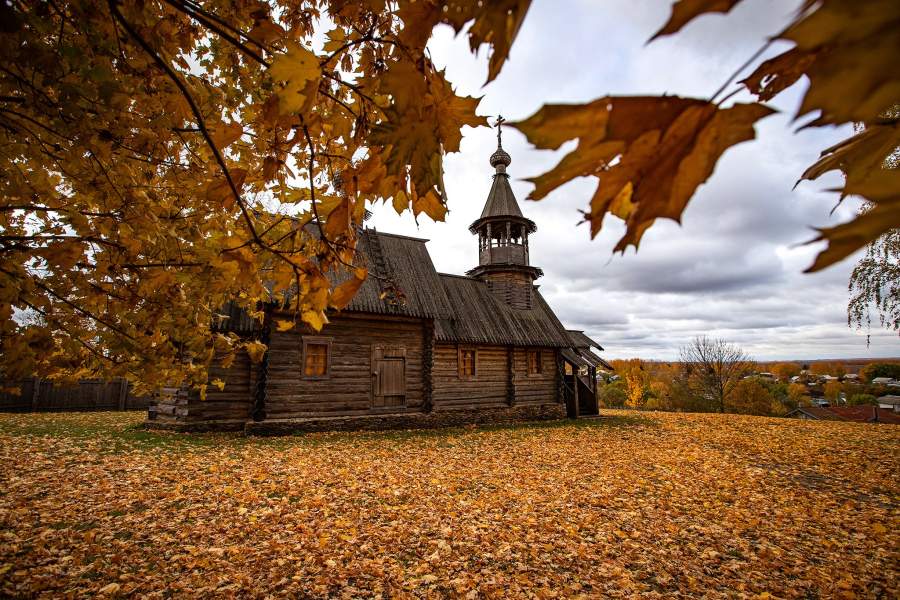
(61, 237)
(135, 266)
(738, 72)
(206, 19)
(82, 311)
(354, 87)
(201, 124)
(340, 102)
(367, 37)
(57, 323)
(312, 190)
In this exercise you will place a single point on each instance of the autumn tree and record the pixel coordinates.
(667, 390)
(861, 400)
(785, 370)
(798, 395)
(612, 394)
(750, 397)
(713, 368)
(880, 369)
(875, 285)
(832, 391)
(636, 377)
(835, 369)
(162, 158)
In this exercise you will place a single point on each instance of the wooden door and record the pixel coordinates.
(388, 377)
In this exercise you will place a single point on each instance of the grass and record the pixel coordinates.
(125, 431)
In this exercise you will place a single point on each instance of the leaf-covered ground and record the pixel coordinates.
(652, 504)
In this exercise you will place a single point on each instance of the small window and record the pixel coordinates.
(316, 357)
(534, 362)
(467, 363)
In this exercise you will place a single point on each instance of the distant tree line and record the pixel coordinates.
(715, 376)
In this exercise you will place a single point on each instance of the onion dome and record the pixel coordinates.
(500, 159)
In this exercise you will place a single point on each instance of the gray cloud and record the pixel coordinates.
(733, 268)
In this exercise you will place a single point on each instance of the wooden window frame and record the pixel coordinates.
(459, 362)
(317, 340)
(540, 363)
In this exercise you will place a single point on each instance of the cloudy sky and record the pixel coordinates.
(733, 269)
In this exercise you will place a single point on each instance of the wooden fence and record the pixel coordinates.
(42, 395)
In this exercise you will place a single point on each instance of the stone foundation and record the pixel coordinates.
(195, 426)
(432, 420)
(380, 422)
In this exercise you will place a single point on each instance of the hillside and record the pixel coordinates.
(635, 503)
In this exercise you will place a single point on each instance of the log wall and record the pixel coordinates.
(496, 368)
(486, 389)
(228, 408)
(539, 388)
(431, 375)
(348, 388)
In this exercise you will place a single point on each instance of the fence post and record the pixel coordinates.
(35, 394)
(123, 393)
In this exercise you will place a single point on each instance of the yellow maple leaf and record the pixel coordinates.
(296, 68)
(255, 350)
(344, 293)
(315, 318)
(224, 134)
(283, 325)
(649, 153)
(219, 192)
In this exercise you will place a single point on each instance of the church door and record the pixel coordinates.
(388, 377)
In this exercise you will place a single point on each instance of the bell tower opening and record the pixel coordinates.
(502, 230)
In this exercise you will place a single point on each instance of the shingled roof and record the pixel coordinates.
(501, 204)
(404, 282)
(478, 317)
(580, 340)
(404, 263)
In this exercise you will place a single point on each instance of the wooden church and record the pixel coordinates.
(415, 348)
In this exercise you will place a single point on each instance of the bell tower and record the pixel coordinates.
(503, 232)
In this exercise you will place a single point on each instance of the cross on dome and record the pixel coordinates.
(500, 159)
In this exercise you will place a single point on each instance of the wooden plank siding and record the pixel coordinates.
(539, 388)
(348, 388)
(490, 386)
(487, 388)
(377, 365)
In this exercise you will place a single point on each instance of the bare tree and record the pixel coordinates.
(713, 368)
